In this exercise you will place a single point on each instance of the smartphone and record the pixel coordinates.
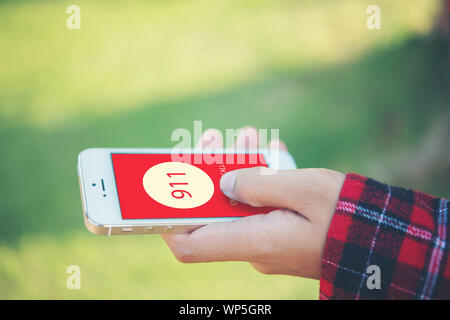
(139, 191)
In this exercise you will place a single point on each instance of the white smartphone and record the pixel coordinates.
(138, 191)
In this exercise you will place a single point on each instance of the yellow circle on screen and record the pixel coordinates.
(178, 185)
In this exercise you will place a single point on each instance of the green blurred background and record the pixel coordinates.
(344, 97)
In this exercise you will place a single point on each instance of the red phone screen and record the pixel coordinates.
(153, 186)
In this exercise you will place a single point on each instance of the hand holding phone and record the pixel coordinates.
(284, 241)
(129, 191)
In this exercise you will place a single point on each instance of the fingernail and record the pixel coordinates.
(227, 183)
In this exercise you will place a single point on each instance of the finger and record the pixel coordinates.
(273, 268)
(247, 138)
(225, 241)
(245, 239)
(261, 186)
(210, 139)
(277, 144)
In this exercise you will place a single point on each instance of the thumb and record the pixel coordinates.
(313, 193)
(261, 186)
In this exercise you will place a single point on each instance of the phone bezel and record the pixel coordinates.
(95, 165)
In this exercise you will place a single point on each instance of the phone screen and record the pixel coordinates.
(153, 186)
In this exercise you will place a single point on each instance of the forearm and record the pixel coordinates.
(403, 232)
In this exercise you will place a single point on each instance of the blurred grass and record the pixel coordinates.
(127, 54)
(135, 267)
(343, 97)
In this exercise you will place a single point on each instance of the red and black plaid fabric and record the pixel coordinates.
(403, 232)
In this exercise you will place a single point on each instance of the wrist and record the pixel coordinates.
(333, 183)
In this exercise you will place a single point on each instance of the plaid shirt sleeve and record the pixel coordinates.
(386, 242)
